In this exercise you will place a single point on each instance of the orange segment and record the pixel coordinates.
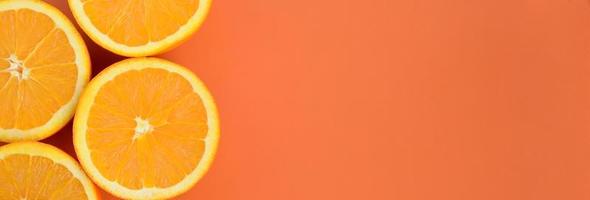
(139, 27)
(51, 51)
(44, 66)
(146, 128)
(31, 28)
(31, 112)
(3, 65)
(7, 46)
(32, 170)
(8, 103)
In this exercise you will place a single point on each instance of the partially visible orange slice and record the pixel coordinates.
(146, 128)
(33, 170)
(139, 27)
(44, 65)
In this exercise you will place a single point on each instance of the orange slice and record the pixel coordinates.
(146, 128)
(44, 65)
(139, 27)
(33, 170)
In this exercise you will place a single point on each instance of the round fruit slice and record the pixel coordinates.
(33, 170)
(44, 65)
(139, 27)
(146, 128)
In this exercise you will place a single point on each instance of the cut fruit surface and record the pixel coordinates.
(44, 65)
(146, 128)
(139, 27)
(33, 170)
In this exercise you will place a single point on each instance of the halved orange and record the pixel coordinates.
(139, 27)
(146, 128)
(44, 65)
(33, 170)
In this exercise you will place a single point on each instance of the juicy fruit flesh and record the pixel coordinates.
(146, 129)
(34, 177)
(138, 22)
(37, 69)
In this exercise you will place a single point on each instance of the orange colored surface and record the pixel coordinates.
(393, 99)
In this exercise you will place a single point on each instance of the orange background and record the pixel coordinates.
(393, 99)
